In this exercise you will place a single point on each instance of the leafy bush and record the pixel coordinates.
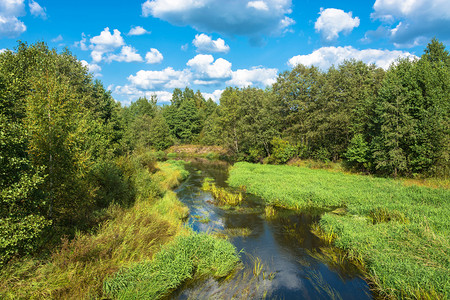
(20, 236)
(112, 185)
(282, 151)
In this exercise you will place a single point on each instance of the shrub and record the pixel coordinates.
(282, 151)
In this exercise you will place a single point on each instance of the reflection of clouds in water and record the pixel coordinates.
(287, 275)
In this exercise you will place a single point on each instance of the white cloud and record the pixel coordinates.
(327, 56)
(138, 30)
(12, 7)
(255, 76)
(93, 68)
(105, 42)
(207, 71)
(259, 5)
(205, 44)
(59, 38)
(2, 50)
(132, 94)
(413, 22)
(37, 10)
(160, 80)
(154, 56)
(253, 19)
(334, 21)
(127, 54)
(215, 96)
(10, 25)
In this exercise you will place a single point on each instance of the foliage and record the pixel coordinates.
(282, 151)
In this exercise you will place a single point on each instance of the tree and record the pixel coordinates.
(395, 130)
(57, 126)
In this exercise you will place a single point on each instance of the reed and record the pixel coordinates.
(222, 195)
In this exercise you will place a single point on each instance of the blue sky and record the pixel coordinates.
(140, 48)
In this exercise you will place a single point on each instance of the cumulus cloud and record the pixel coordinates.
(256, 76)
(259, 5)
(327, 56)
(205, 44)
(2, 50)
(10, 25)
(132, 94)
(93, 68)
(208, 71)
(104, 43)
(127, 54)
(332, 22)
(37, 10)
(237, 17)
(138, 30)
(215, 96)
(154, 56)
(160, 80)
(413, 22)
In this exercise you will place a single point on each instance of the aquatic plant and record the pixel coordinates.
(222, 196)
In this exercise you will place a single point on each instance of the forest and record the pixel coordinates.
(73, 160)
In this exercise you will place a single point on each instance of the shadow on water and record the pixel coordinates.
(281, 258)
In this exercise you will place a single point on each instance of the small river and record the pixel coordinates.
(281, 258)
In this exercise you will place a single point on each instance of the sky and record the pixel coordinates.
(142, 48)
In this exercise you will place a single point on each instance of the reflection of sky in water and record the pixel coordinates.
(269, 241)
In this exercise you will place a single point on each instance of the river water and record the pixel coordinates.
(281, 258)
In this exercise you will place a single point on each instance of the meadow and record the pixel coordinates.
(398, 234)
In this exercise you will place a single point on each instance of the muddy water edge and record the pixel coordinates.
(281, 258)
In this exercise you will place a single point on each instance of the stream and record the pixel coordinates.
(281, 258)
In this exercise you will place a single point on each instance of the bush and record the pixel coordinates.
(282, 151)
(112, 185)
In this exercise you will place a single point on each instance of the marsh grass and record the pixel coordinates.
(399, 233)
(188, 257)
(245, 282)
(222, 195)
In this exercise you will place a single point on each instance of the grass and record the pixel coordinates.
(400, 233)
(188, 257)
(129, 236)
(222, 196)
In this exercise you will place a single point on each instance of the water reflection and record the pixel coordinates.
(280, 256)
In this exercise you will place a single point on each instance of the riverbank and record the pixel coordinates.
(140, 236)
(399, 233)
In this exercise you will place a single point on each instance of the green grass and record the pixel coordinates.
(188, 257)
(400, 233)
(222, 196)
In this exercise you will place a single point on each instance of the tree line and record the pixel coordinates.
(391, 123)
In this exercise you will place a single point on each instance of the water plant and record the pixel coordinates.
(222, 195)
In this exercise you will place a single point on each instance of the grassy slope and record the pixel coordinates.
(401, 233)
(78, 268)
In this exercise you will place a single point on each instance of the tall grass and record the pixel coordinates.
(222, 196)
(400, 232)
(196, 255)
(77, 268)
